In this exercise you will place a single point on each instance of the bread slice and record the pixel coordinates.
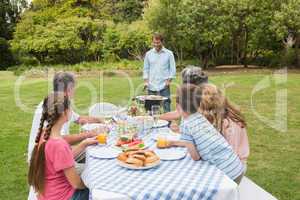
(151, 159)
(140, 157)
(134, 161)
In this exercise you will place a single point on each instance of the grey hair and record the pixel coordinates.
(62, 81)
(193, 75)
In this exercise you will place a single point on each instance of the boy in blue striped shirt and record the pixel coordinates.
(200, 137)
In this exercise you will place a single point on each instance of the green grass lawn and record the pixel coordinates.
(274, 163)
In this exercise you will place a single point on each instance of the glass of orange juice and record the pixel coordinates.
(102, 138)
(162, 142)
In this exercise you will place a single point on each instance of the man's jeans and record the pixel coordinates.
(165, 93)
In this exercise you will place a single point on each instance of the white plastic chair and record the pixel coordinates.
(105, 195)
(104, 110)
(32, 195)
(248, 190)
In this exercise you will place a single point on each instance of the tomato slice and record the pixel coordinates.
(134, 143)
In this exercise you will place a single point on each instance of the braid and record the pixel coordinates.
(43, 119)
(51, 122)
(53, 107)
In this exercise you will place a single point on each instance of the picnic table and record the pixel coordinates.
(183, 179)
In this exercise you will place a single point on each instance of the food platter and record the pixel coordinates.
(128, 166)
(138, 160)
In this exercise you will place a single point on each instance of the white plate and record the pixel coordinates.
(122, 164)
(104, 152)
(170, 154)
(160, 123)
(149, 97)
(168, 136)
(92, 126)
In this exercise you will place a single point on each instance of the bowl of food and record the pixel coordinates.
(138, 159)
(127, 142)
(150, 100)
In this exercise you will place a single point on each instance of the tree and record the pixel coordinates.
(190, 26)
(135, 39)
(10, 11)
(287, 26)
(69, 40)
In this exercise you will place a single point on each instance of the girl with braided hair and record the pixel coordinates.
(51, 171)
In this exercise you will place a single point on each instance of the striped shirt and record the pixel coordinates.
(211, 145)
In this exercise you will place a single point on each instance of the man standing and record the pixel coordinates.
(159, 70)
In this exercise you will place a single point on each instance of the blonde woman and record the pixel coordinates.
(226, 118)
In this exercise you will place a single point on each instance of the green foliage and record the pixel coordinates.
(9, 15)
(128, 10)
(213, 32)
(223, 32)
(69, 40)
(123, 64)
(135, 39)
(6, 57)
(287, 19)
(286, 24)
(73, 31)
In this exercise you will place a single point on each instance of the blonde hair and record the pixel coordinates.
(216, 107)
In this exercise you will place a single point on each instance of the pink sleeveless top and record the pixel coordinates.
(236, 136)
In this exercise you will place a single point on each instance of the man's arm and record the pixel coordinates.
(146, 70)
(172, 74)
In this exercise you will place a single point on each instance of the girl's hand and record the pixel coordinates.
(89, 141)
(170, 143)
(95, 132)
(91, 133)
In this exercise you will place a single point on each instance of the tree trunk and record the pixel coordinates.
(232, 50)
(204, 58)
(245, 48)
(297, 46)
(238, 51)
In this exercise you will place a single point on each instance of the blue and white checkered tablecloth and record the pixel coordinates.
(183, 179)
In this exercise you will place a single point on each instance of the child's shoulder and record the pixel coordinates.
(57, 142)
(197, 120)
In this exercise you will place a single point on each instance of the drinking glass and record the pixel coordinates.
(155, 112)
